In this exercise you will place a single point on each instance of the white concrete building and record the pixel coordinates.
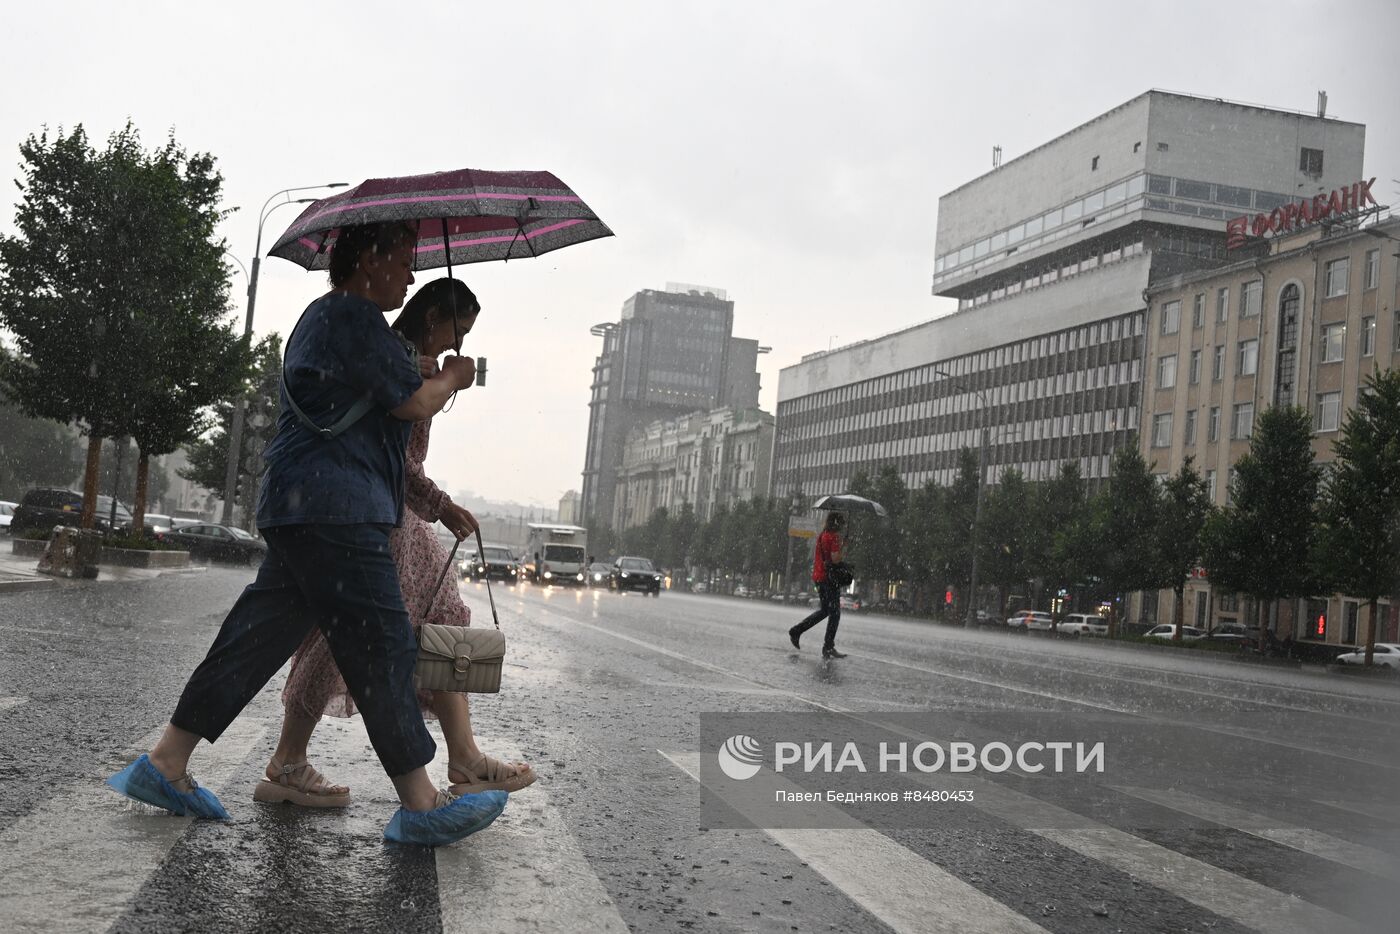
(1048, 256)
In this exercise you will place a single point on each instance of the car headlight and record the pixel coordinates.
(548, 575)
(580, 575)
(624, 573)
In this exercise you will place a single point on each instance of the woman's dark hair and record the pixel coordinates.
(835, 522)
(412, 322)
(352, 241)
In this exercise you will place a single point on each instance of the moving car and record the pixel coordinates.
(1029, 619)
(1083, 624)
(1168, 630)
(631, 573)
(7, 511)
(599, 573)
(46, 507)
(216, 543)
(1230, 632)
(1386, 653)
(499, 564)
(850, 602)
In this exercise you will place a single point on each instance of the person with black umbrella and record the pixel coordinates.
(828, 553)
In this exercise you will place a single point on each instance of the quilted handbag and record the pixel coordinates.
(460, 658)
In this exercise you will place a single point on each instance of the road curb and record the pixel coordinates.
(23, 586)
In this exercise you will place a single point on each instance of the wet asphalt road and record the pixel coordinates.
(1237, 797)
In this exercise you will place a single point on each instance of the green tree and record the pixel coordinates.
(1359, 533)
(34, 452)
(1006, 538)
(113, 250)
(1063, 555)
(953, 542)
(208, 455)
(921, 531)
(1126, 518)
(1262, 544)
(1185, 508)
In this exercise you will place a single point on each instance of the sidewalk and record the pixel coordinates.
(20, 574)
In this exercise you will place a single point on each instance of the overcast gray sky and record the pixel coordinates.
(790, 153)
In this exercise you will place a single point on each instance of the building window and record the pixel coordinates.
(1189, 438)
(1244, 421)
(1218, 364)
(1315, 626)
(1247, 360)
(1229, 602)
(1213, 425)
(1166, 371)
(1373, 269)
(1310, 162)
(1171, 317)
(1222, 305)
(1094, 164)
(1229, 486)
(1368, 336)
(1162, 430)
(1329, 411)
(1195, 367)
(1210, 485)
(1198, 311)
(1350, 610)
(1251, 298)
(1333, 342)
(1337, 272)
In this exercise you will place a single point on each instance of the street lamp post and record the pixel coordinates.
(971, 619)
(235, 433)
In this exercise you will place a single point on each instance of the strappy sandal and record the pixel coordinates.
(488, 774)
(301, 791)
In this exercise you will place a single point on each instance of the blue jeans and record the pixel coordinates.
(342, 579)
(830, 610)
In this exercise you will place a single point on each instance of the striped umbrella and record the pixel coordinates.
(464, 216)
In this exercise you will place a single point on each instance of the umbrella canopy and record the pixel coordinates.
(849, 502)
(464, 216)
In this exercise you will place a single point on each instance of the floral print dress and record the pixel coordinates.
(315, 686)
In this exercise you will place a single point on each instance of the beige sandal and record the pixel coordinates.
(309, 791)
(488, 774)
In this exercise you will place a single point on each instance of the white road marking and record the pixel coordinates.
(526, 872)
(1372, 809)
(891, 882)
(1214, 889)
(8, 703)
(1313, 842)
(74, 863)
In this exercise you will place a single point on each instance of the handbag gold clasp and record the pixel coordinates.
(461, 663)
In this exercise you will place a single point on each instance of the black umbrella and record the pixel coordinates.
(850, 502)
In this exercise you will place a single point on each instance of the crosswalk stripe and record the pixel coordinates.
(1313, 842)
(87, 829)
(526, 872)
(1372, 809)
(1214, 889)
(6, 703)
(890, 881)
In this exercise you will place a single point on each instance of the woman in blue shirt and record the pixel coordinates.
(327, 505)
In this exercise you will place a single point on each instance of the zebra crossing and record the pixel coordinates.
(909, 893)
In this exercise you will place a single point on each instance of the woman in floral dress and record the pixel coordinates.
(315, 686)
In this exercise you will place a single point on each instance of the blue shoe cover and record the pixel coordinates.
(142, 780)
(461, 817)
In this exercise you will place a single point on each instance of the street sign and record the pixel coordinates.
(803, 527)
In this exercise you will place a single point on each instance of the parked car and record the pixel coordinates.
(499, 564)
(46, 507)
(1168, 630)
(895, 605)
(850, 602)
(7, 512)
(1232, 632)
(599, 573)
(216, 543)
(742, 591)
(632, 573)
(153, 522)
(1083, 624)
(1386, 653)
(1023, 619)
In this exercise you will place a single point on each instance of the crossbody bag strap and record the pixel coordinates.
(343, 424)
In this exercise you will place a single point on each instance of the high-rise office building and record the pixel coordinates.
(672, 353)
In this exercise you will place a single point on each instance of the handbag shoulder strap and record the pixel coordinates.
(342, 424)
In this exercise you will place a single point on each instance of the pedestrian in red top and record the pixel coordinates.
(828, 553)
